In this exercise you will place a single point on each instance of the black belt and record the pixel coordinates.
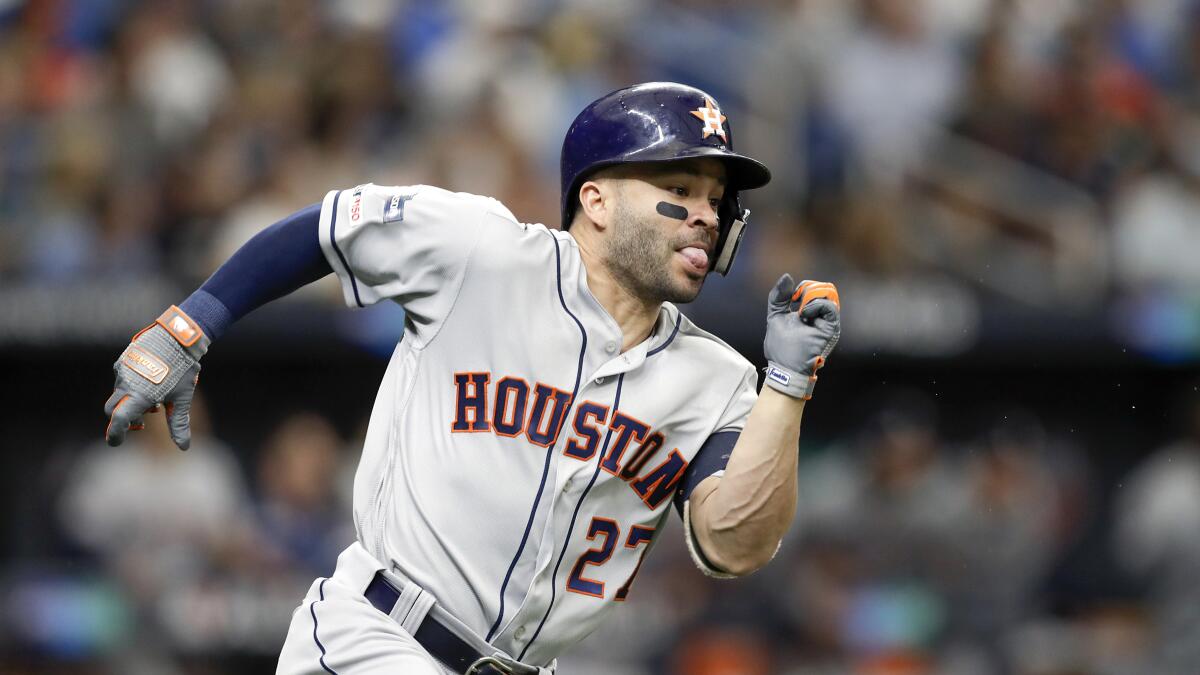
(438, 640)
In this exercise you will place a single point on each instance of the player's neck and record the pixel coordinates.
(635, 315)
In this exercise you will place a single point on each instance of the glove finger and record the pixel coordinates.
(812, 290)
(781, 292)
(795, 302)
(117, 394)
(128, 410)
(820, 308)
(179, 420)
(800, 288)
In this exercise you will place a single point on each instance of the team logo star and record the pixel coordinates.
(713, 120)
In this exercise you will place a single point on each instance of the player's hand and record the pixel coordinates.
(803, 326)
(159, 367)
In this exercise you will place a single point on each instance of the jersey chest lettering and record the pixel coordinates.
(512, 407)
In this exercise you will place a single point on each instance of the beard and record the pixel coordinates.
(639, 257)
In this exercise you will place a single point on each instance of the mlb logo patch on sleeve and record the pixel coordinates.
(393, 210)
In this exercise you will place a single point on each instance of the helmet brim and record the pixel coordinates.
(742, 172)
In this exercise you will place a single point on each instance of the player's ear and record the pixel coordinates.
(595, 201)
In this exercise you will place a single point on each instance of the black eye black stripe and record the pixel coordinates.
(672, 210)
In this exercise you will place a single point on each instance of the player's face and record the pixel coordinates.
(664, 233)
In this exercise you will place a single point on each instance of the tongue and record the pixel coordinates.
(696, 256)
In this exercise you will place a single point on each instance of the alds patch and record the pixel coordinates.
(393, 210)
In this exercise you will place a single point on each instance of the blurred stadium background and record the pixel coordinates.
(1001, 467)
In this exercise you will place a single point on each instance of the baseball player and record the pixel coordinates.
(547, 403)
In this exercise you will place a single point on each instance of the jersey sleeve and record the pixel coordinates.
(711, 460)
(410, 244)
(733, 418)
(712, 457)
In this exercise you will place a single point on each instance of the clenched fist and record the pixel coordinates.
(803, 326)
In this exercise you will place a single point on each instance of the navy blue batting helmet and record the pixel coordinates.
(660, 122)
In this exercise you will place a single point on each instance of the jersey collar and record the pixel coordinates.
(665, 330)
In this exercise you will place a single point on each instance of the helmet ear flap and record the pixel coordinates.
(733, 225)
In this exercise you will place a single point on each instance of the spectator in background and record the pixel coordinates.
(161, 522)
(108, 236)
(914, 558)
(486, 154)
(723, 651)
(1156, 213)
(1156, 230)
(880, 520)
(996, 106)
(889, 85)
(176, 73)
(1157, 537)
(1184, 77)
(301, 517)
(910, 493)
(1097, 116)
(153, 515)
(1156, 220)
(1009, 532)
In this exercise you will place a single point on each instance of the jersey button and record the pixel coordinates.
(611, 347)
(520, 632)
(599, 380)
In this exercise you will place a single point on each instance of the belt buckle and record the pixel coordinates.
(485, 661)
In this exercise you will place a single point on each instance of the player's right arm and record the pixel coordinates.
(161, 365)
(408, 244)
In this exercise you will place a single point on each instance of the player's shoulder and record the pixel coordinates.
(442, 215)
(397, 203)
(714, 352)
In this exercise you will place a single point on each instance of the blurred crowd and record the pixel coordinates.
(164, 559)
(913, 553)
(1055, 138)
(1027, 153)
(917, 554)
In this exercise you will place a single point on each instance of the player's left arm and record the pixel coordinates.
(738, 519)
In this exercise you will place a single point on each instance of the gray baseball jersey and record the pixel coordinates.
(517, 464)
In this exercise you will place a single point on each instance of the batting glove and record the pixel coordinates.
(803, 326)
(160, 366)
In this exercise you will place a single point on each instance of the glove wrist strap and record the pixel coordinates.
(789, 382)
(185, 331)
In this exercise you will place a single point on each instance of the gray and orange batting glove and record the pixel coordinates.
(159, 367)
(803, 326)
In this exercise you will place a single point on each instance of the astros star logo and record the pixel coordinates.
(711, 115)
